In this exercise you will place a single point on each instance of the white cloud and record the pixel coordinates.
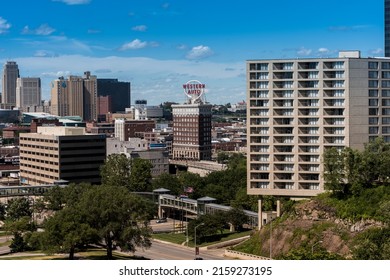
(167, 75)
(378, 51)
(141, 28)
(134, 45)
(73, 2)
(4, 25)
(304, 52)
(199, 52)
(43, 29)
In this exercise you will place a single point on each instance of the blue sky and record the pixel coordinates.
(160, 45)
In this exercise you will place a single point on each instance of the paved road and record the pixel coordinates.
(166, 251)
(4, 249)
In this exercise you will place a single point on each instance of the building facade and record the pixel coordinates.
(28, 93)
(120, 93)
(191, 131)
(298, 108)
(125, 129)
(61, 153)
(10, 75)
(387, 28)
(75, 96)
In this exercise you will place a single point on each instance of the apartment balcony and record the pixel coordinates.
(259, 130)
(334, 130)
(259, 139)
(283, 121)
(335, 65)
(259, 149)
(284, 167)
(308, 75)
(283, 149)
(307, 93)
(308, 84)
(334, 84)
(309, 168)
(284, 139)
(283, 75)
(283, 130)
(334, 102)
(307, 65)
(258, 67)
(308, 103)
(259, 112)
(308, 186)
(334, 121)
(308, 139)
(283, 176)
(283, 158)
(308, 130)
(258, 94)
(309, 158)
(284, 185)
(309, 177)
(333, 112)
(283, 84)
(259, 121)
(308, 121)
(258, 103)
(283, 94)
(330, 93)
(259, 158)
(259, 167)
(283, 103)
(283, 112)
(283, 66)
(309, 149)
(259, 176)
(308, 112)
(334, 140)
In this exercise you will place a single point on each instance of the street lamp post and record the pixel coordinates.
(195, 238)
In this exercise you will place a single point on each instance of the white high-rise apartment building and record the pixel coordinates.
(298, 108)
(28, 92)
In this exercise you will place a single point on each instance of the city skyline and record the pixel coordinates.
(160, 45)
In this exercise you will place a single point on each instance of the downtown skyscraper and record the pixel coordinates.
(10, 75)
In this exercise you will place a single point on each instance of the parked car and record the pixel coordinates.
(162, 220)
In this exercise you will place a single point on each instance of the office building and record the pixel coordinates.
(61, 153)
(192, 125)
(120, 93)
(298, 108)
(28, 93)
(387, 28)
(10, 75)
(75, 96)
(125, 129)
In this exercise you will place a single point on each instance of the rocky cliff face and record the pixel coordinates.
(312, 226)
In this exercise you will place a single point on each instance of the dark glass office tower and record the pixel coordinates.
(387, 28)
(119, 92)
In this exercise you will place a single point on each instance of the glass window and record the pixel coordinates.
(373, 102)
(373, 74)
(385, 111)
(373, 93)
(373, 111)
(386, 129)
(385, 93)
(373, 130)
(372, 65)
(385, 65)
(373, 120)
(386, 74)
(373, 83)
(385, 102)
(385, 120)
(386, 83)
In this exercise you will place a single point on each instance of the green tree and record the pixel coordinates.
(120, 218)
(169, 182)
(334, 171)
(116, 171)
(67, 230)
(237, 218)
(141, 175)
(54, 198)
(18, 227)
(2, 211)
(18, 208)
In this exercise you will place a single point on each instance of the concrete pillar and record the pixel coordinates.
(260, 215)
(278, 208)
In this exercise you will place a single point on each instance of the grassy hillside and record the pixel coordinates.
(328, 227)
